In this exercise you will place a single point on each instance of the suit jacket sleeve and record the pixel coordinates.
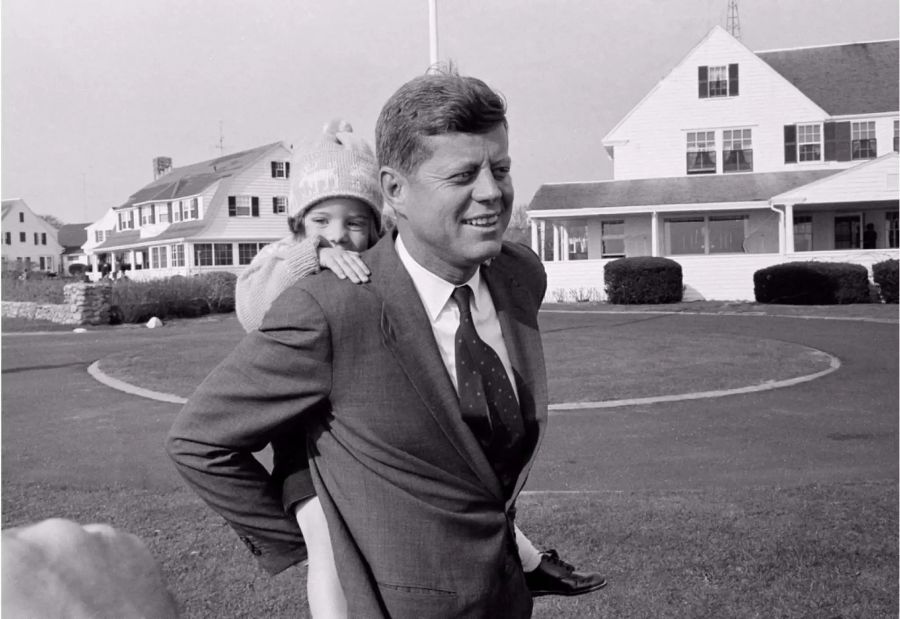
(266, 387)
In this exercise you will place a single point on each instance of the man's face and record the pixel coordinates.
(457, 203)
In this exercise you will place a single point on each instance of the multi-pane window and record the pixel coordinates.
(177, 255)
(809, 142)
(701, 152)
(612, 239)
(158, 257)
(195, 208)
(737, 150)
(577, 235)
(803, 233)
(98, 236)
(717, 234)
(222, 254)
(279, 204)
(718, 81)
(893, 232)
(243, 206)
(165, 213)
(281, 169)
(203, 254)
(189, 209)
(247, 251)
(862, 140)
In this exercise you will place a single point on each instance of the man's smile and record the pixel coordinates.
(483, 221)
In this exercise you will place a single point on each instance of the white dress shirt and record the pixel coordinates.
(444, 314)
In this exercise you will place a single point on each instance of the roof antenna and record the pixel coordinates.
(733, 22)
(221, 144)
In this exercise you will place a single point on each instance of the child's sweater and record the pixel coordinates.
(271, 272)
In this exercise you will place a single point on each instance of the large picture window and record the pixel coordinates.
(893, 233)
(737, 150)
(203, 256)
(247, 251)
(701, 152)
(803, 233)
(612, 239)
(222, 254)
(177, 255)
(577, 240)
(700, 234)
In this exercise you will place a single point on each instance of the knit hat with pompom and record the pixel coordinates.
(338, 165)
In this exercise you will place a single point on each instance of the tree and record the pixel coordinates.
(519, 229)
(53, 221)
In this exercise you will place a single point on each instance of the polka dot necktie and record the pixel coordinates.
(486, 397)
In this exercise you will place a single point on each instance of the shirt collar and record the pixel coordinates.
(433, 290)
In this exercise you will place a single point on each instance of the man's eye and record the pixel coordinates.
(501, 172)
(464, 176)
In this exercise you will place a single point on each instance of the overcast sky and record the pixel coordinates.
(92, 90)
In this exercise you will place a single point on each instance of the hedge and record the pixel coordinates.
(172, 297)
(885, 275)
(812, 283)
(643, 280)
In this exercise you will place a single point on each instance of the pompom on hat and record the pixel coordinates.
(338, 165)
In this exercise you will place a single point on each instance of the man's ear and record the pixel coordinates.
(393, 188)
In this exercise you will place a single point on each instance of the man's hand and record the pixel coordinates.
(345, 264)
(58, 568)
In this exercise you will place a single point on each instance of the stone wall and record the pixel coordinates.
(85, 304)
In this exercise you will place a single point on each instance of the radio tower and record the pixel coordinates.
(733, 22)
(221, 145)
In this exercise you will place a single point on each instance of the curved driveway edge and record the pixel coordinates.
(834, 363)
(114, 383)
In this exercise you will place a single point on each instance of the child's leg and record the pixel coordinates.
(528, 554)
(323, 588)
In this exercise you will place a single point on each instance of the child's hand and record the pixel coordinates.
(345, 264)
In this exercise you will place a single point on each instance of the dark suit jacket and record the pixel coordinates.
(419, 523)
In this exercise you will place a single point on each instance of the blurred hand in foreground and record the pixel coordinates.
(58, 568)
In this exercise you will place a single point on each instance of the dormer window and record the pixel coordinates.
(863, 144)
(717, 81)
(281, 169)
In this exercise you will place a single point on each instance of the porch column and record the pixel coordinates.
(534, 237)
(654, 233)
(556, 233)
(563, 243)
(788, 228)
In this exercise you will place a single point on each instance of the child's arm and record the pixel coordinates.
(281, 264)
(272, 271)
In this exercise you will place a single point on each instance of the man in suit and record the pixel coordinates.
(415, 463)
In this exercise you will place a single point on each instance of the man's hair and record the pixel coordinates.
(439, 102)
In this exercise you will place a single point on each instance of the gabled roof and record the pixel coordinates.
(72, 235)
(192, 179)
(8, 204)
(854, 78)
(716, 188)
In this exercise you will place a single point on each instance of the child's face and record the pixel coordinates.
(343, 222)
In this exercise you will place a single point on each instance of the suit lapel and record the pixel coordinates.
(406, 332)
(518, 322)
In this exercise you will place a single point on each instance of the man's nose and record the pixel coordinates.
(486, 188)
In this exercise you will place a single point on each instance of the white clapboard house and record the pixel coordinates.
(737, 160)
(209, 216)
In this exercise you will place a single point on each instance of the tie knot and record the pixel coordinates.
(463, 297)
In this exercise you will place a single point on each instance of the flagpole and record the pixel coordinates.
(432, 32)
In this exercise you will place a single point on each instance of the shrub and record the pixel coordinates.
(643, 280)
(885, 275)
(218, 290)
(36, 289)
(812, 283)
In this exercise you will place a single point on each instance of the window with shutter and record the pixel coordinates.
(232, 206)
(733, 80)
(254, 206)
(790, 143)
(717, 81)
(703, 82)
